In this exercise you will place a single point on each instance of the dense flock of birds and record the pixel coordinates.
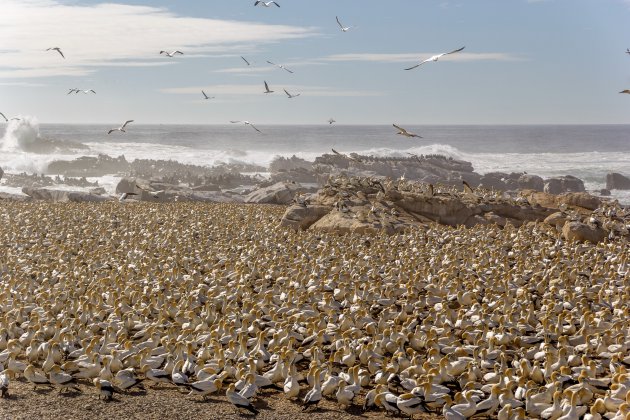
(218, 299)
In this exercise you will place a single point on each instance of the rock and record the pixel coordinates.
(1, 173)
(605, 192)
(616, 181)
(301, 218)
(63, 196)
(14, 197)
(531, 182)
(278, 193)
(562, 184)
(557, 220)
(98, 191)
(206, 187)
(580, 232)
(582, 199)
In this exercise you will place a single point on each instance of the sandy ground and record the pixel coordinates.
(163, 403)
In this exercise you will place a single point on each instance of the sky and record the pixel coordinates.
(525, 61)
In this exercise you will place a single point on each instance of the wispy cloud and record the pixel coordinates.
(115, 34)
(248, 90)
(411, 57)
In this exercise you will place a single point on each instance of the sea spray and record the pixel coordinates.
(21, 135)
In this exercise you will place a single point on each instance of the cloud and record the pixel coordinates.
(116, 34)
(258, 89)
(412, 57)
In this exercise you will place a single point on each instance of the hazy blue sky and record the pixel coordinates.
(543, 61)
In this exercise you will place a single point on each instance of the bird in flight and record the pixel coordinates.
(246, 123)
(279, 66)
(265, 3)
(435, 58)
(206, 96)
(9, 119)
(625, 91)
(84, 91)
(343, 28)
(331, 121)
(172, 54)
(627, 50)
(404, 132)
(246, 62)
(291, 96)
(56, 49)
(346, 156)
(267, 88)
(72, 91)
(416, 157)
(121, 128)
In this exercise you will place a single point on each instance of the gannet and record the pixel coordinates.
(246, 123)
(172, 54)
(291, 96)
(35, 376)
(84, 91)
(279, 66)
(9, 119)
(405, 133)
(72, 91)
(205, 387)
(265, 3)
(238, 400)
(155, 375)
(435, 58)
(126, 379)
(246, 62)
(56, 49)
(206, 96)
(343, 29)
(625, 91)
(267, 88)
(4, 384)
(331, 121)
(121, 128)
(105, 388)
(62, 380)
(314, 395)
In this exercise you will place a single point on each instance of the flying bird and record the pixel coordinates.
(246, 62)
(331, 121)
(291, 96)
(172, 54)
(206, 96)
(625, 91)
(72, 91)
(56, 49)
(265, 3)
(435, 58)
(84, 91)
(413, 155)
(267, 88)
(279, 66)
(404, 132)
(121, 128)
(9, 119)
(628, 51)
(346, 156)
(246, 123)
(343, 28)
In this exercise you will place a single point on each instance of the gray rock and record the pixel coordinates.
(616, 181)
(580, 232)
(98, 191)
(63, 196)
(14, 197)
(531, 182)
(1, 173)
(605, 192)
(278, 193)
(561, 184)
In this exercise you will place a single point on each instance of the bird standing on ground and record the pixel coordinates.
(280, 66)
(121, 128)
(4, 384)
(171, 54)
(435, 58)
(56, 49)
(405, 133)
(291, 96)
(238, 400)
(266, 3)
(105, 388)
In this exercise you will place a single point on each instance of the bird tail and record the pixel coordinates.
(251, 409)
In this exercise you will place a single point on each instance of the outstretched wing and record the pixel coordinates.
(339, 23)
(245, 60)
(417, 65)
(288, 94)
(336, 152)
(3, 116)
(254, 127)
(59, 51)
(399, 128)
(454, 51)
(125, 124)
(275, 3)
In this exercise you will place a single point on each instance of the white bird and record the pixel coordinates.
(246, 62)
(204, 388)
(291, 96)
(126, 379)
(35, 376)
(9, 119)
(267, 88)
(56, 49)
(246, 123)
(206, 96)
(280, 66)
(72, 91)
(62, 379)
(435, 58)
(106, 389)
(404, 132)
(331, 121)
(265, 3)
(85, 91)
(343, 28)
(121, 128)
(4, 384)
(172, 54)
(238, 400)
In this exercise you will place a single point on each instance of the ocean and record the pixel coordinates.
(588, 152)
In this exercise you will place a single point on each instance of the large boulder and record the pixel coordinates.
(616, 181)
(557, 219)
(580, 232)
(561, 184)
(301, 218)
(580, 199)
(63, 196)
(278, 193)
(531, 182)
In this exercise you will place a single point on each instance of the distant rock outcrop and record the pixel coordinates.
(278, 193)
(616, 181)
(1, 173)
(63, 196)
(567, 183)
